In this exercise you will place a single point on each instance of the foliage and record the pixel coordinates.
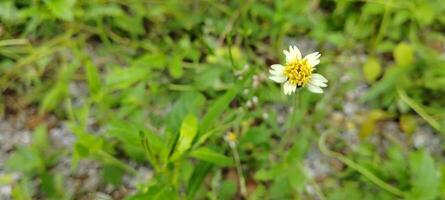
(160, 83)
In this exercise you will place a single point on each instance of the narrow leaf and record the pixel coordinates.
(195, 181)
(93, 78)
(211, 156)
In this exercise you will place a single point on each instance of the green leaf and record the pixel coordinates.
(23, 190)
(255, 136)
(122, 78)
(101, 10)
(425, 178)
(8, 12)
(372, 70)
(51, 185)
(227, 189)
(62, 9)
(296, 177)
(408, 124)
(218, 108)
(153, 61)
(81, 115)
(424, 13)
(85, 145)
(280, 187)
(187, 133)
(155, 143)
(349, 190)
(175, 66)
(40, 138)
(52, 99)
(128, 134)
(373, 8)
(404, 54)
(59, 91)
(387, 84)
(300, 146)
(396, 165)
(368, 126)
(93, 78)
(26, 160)
(125, 132)
(153, 148)
(195, 181)
(266, 174)
(211, 156)
(190, 102)
(131, 24)
(112, 174)
(210, 77)
(158, 191)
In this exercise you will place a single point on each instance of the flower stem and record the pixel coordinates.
(291, 124)
(239, 170)
(373, 178)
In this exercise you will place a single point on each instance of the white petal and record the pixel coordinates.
(314, 55)
(277, 70)
(290, 57)
(314, 89)
(313, 58)
(277, 67)
(317, 83)
(278, 78)
(292, 54)
(319, 78)
(289, 88)
(287, 54)
(295, 52)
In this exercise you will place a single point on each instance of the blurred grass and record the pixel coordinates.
(159, 84)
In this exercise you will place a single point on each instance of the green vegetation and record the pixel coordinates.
(171, 100)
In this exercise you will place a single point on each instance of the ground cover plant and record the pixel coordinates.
(135, 99)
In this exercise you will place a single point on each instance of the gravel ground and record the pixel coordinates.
(83, 183)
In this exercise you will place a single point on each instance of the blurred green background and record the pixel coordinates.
(133, 99)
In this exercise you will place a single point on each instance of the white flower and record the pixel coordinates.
(231, 138)
(298, 72)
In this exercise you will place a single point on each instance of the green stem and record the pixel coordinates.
(312, 182)
(239, 170)
(382, 27)
(373, 178)
(291, 123)
(419, 109)
(229, 43)
(109, 158)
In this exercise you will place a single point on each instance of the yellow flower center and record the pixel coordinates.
(231, 137)
(298, 72)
